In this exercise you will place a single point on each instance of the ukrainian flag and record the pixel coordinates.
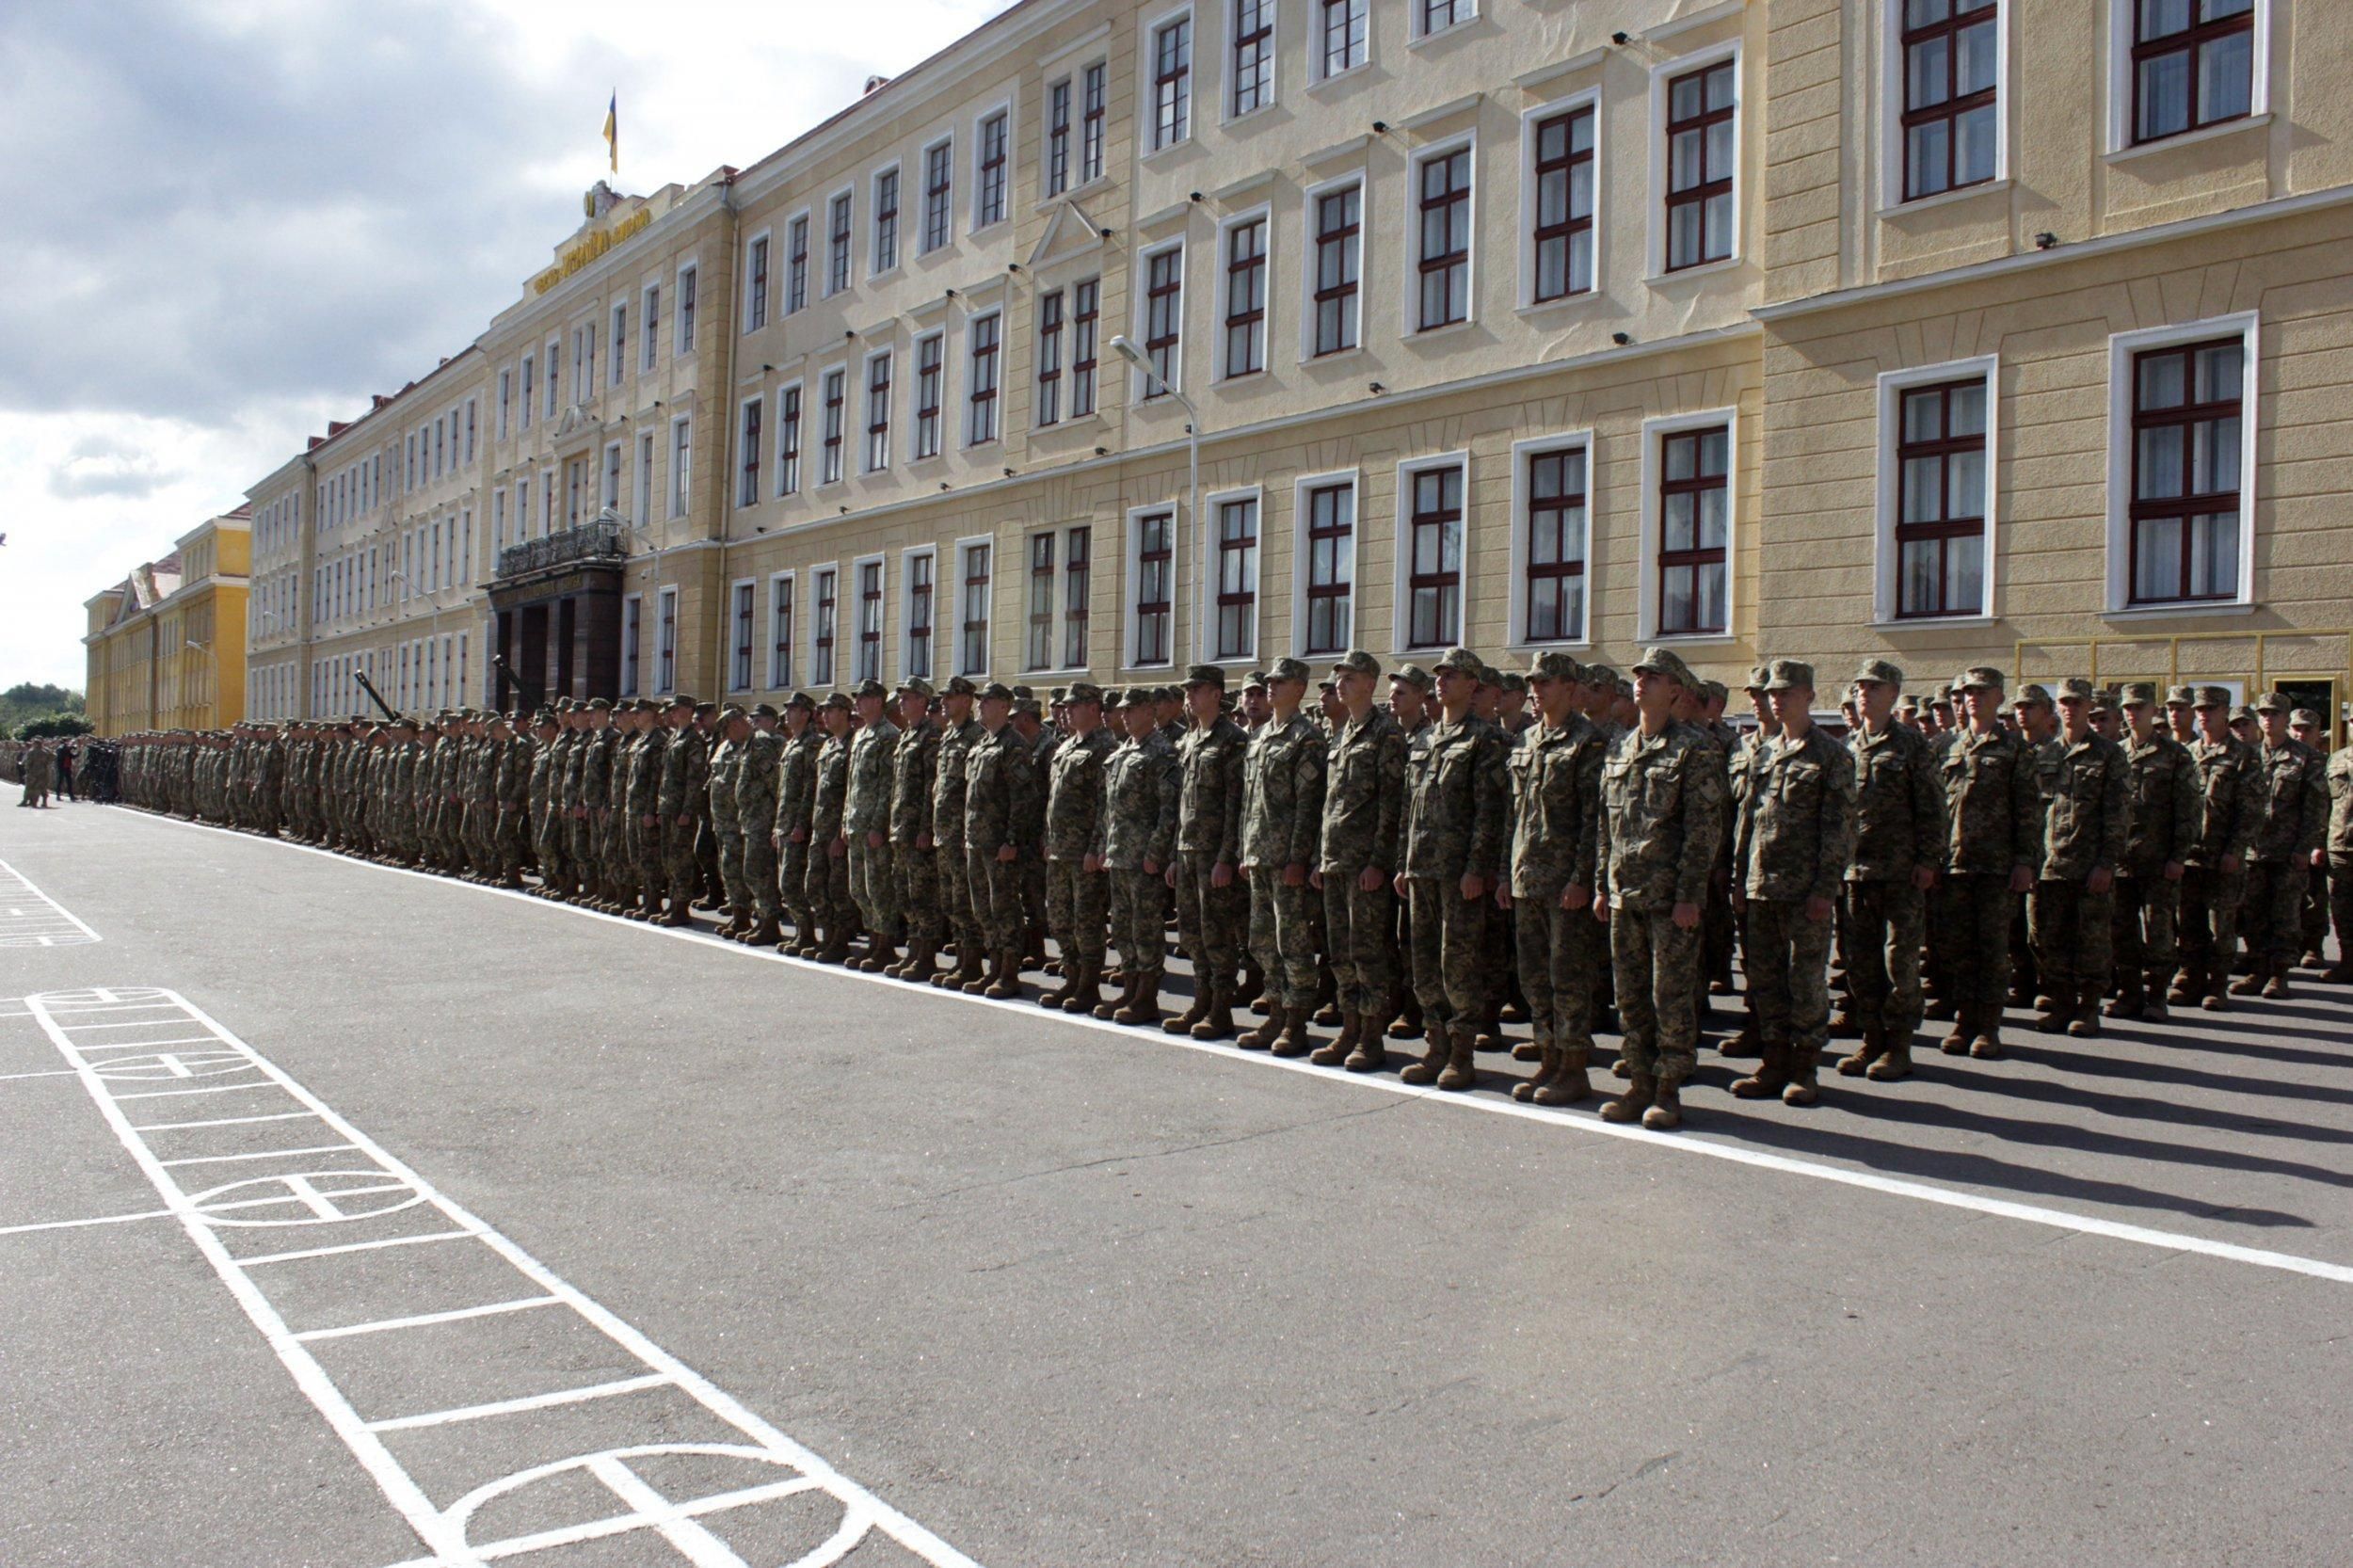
(612, 132)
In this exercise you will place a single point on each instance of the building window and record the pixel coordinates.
(643, 511)
(838, 243)
(740, 670)
(878, 413)
(748, 453)
(930, 355)
(780, 632)
(919, 584)
(2188, 401)
(1050, 357)
(1091, 122)
(620, 357)
(1436, 16)
(528, 401)
(1163, 315)
(938, 194)
(681, 462)
(1554, 545)
(1237, 577)
(1038, 653)
(665, 645)
(1565, 205)
(1058, 137)
(981, 412)
(1434, 542)
(789, 440)
(988, 194)
(2193, 65)
(1339, 242)
(1342, 24)
(506, 399)
(1078, 578)
(1085, 320)
(1949, 112)
(886, 246)
(648, 332)
(1172, 83)
(755, 286)
(1155, 586)
(869, 620)
(1695, 519)
(972, 643)
(1245, 297)
(685, 316)
(828, 611)
(612, 492)
(1331, 552)
(796, 264)
(835, 383)
(1253, 55)
(1941, 500)
(1700, 160)
(1442, 249)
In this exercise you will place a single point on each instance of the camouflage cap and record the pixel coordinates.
(2180, 696)
(2305, 718)
(1139, 696)
(706, 709)
(2074, 688)
(1760, 676)
(1256, 679)
(800, 700)
(1666, 661)
(1601, 675)
(681, 699)
(1414, 675)
(962, 685)
(599, 704)
(919, 686)
(1059, 693)
(1029, 705)
(1023, 693)
(2032, 692)
(1790, 675)
(2143, 694)
(765, 710)
(1463, 661)
(545, 716)
(1714, 691)
(1288, 668)
(2103, 700)
(1978, 678)
(2210, 697)
(2271, 702)
(1084, 691)
(1205, 675)
(1552, 665)
(996, 691)
(1355, 662)
(1513, 680)
(2243, 713)
(870, 687)
(731, 713)
(1879, 672)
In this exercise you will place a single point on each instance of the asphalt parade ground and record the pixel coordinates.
(354, 1217)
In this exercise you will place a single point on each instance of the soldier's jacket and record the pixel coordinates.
(868, 806)
(1364, 795)
(1000, 793)
(2165, 805)
(685, 768)
(2086, 806)
(1556, 795)
(796, 784)
(546, 766)
(1137, 821)
(626, 750)
(512, 777)
(1796, 827)
(1209, 805)
(828, 812)
(1282, 794)
(1899, 805)
(1663, 798)
(1993, 814)
(756, 782)
(2340, 780)
(956, 741)
(1457, 798)
(913, 762)
(727, 765)
(595, 771)
(644, 794)
(2294, 792)
(1074, 798)
(2230, 804)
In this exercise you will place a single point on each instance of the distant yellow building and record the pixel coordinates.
(167, 644)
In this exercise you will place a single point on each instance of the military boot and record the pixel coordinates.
(1108, 1009)
(2211, 993)
(1328, 1009)
(1052, 1001)
(1372, 1054)
(2338, 974)
(2276, 983)
(1460, 1074)
(1856, 1062)
(2085, 1023)
(1405, 1021)
(731, 928)
(1771, 1075)
(1640, 1091)
(835, 947)
(2152, 996)
(1294, 1040)
(1666, 1108)
(1569, 1085)
(2131, 1001)
(1334, 1053)
(1530, 1051)
(1262, 1037)
(2187, 988)
(1086, 991)
(1433, 1057)
(2054, 1012)
(984, 975)
(1741, 1046)
(1182, 1023)
(768, 934)
(1144, 1005)
(1218, 1022)
(881, 954)
(1956, 1042)
(1895, 1059)
(1801, 1089)
(922, 963)
(1008, 980)
(1985, 1036)
(1548, 1059)
(2252, 983)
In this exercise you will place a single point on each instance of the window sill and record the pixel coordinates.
(1946, 197)
(1233, 119)
(1690, 639)
(1704, 269)
(2200, 609)
(1567, 301)
(1338, 77)
(1180, 144)
(888, 274)
(1337, 356)
(2187, 138)
(1931, 623)
(979, 229)
(1424, 334)
(1523, 645)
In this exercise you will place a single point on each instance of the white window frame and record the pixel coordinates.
(645, 477)
(619, 333)
(735, 473)
(1307, 260)
(751, 661)
(1410, 296)
(856, 604)
(1416, 32)
(816, 583)
(666, 613)
(1887, 561)
(611, 476)
(768, 287)
(1139, 384)
(1589, 99)
(1148, 111)
(1647, 612)
(1516, 620)
(1317, 73)
(974, 222)
(1132, 549)
(923, 196)
(2119, 53)
(631, 675)
(1205, 569)
(865, 416)
(808, 294)
(1229, 27)
(650, 325)
(681, 485)
(826, 290)
(1890, 129)
(848, 468)
(915, 392)
(2122, 346)
(783, 586)
(965, 546)
(874, 223)
(971, 362)
(906, 609)
(1263, 212)
(1655, 219)
(1401, 547)
(681, 331)
(799, 459)
(1301, 513)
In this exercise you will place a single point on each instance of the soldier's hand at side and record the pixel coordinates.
(1601, 910)
(1924, 877)
(1372, 880)
(2021, 880)
(1294, 875)
(1314, 880)
(800, 835)
(1008, 854)
(2100, 881)
(1169, 877)
(1093, 863)
(2230, 863)
(2175, 871)
(1152, 867)
(1503, 896)
(1817, 909)
(2320, 860)
(924, 840)
(1221, 875)
(1686, 917)
(1397, 884)
(873, 841)
(837, 848)
(1576, 896)
(1473, 886)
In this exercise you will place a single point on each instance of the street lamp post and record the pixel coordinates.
(1126, 348)
(433, 631)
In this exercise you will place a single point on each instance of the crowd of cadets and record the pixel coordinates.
(1429, 861)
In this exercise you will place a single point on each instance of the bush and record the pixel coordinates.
(53, 726)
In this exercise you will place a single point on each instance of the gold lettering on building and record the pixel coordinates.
(587, 250)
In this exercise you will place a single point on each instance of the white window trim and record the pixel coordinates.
(825, 249)
(735, 473)
(1263, 212)
(785, 294)
(744, 306)
(1300, 516)
(849, 415)
(682, 488)
(1891, 117)
(1131, 547)
(1647, 612)
(781, 588)
(800, 479)
(648, 343)
(1228, 28)
(1147, 102)
(667, 597)
(1003, 106)
(922, 196)
(1317, 75)
(1589, 99)
(1654, 220)
(989, 643)
(970, 323)
(891, 411)
(873, 222)
(915, 392)
(681, 342)
(1205, 566)
(1417, 33)
(1138, 385)
(751, 675)
(908, 558)
(612, 450)
(617, 329)
(2245, 325)
(1887, 562)
(1515, 618)
(1410, 296)
(1309, 197)
(816, 580)
(856, 606)
(645, 481)
(1401, 547)
(2119, 53)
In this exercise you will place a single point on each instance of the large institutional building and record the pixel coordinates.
(164, 644)
(1120, 336)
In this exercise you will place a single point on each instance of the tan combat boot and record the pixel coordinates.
(1262, 1037)
(1143, 1004)
(1334, 1053)
(1217, 1023)
(1008, 980)
(1640, 1090)
(984, 976)
(2276, 984)
(1895, 1061)
(1770, 1077)
(1548, 1065)
(1294, 1040)
(1801, 1089)
(1460, 1072)
(1111, 1008)
(1086, 991)
(1373, 1052)
(1569, 1085)
(1855, 1063)
(1666, 1110)
(1182, 1023)
(1433, 1057)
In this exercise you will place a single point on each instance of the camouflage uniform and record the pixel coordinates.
(956, 741)
(2163, 825)
(548, 807)
(511, 840)
(1899, 827)
(1283, 782)
(726, 766)
(1211, 921)
(915, 866)
(2293, 795)
(756, 814)
(1136, 835)
(1556, 785)
(1364, 807)
(1457, 799)
(2230, 806)
(1994, 820)
(798, 848)
(1077, 900)
(2086, 790)
(2339, 845)
(1000, 801)
(872, 870)
(832, 905)
(685, 794)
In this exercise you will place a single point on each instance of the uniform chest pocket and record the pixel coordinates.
(1799, 783)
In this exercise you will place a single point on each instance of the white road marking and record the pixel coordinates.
(54, 1072)
(257, 1154)
(323, 1196)
(76, 1225)
(225, 1121)
(34, 919)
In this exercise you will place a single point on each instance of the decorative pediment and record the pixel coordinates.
(1069, 236)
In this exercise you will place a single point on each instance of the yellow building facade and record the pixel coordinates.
(165, 647)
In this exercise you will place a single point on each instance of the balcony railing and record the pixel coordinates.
(592, 541)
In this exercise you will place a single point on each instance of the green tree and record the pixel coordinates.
(53, 726)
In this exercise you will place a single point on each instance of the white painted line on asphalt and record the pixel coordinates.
(1682, 1142)
(455, 1315)
(225, 1121)
(175, 1093)
(33, 918)
(257, 1154)
(324, 1195)
(54, 1072)
(76, 1225)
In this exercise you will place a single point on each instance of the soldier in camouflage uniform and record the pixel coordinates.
(866, 828)
(1994, 817)
(1364, 808)
(1457, 795)
(2312, 731)
(797, 848)
(555, 735)
(1212, 913)
(2086, 789)
(1135, 838)
(1042, 739)
(1001, 806)
(1283, 784)
(959, 732)
(755, 783)
(1555, 770)
(684, 796)
(1076, 894)
(2293, 790)
(914, 847)
(2230, 808)
(2338, 851)
(2164, 824)
(832, 905)
(726, 768)
(1899, 843)
(510, 788)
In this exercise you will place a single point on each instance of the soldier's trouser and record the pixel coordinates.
(918, 876)
(1790, 974)
(2072, 927)
(955, 899)
(2316, 922)
(1885, 924)
(1282, 937)
(2341, 902)
(1977, 910)
(874, 884)
(1447, 959)
(759, 871)
(1138, 927)
(1716, 925)
(731, 871)
(1560, 959)
(1360, 938)
(1211, 921)
(793, 889)
(2146, 910)
(2274, 911)
(1074, 900)
(555, 851)
(1656, 964)
(681, 868)
(2209, 925)
(995, 886)
(830, 897)
(1033, 915)
(580, 838)
(507, 841)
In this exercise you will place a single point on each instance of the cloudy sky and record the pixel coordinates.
(228, 221)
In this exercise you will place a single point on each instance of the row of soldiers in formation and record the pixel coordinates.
(1478, 849)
